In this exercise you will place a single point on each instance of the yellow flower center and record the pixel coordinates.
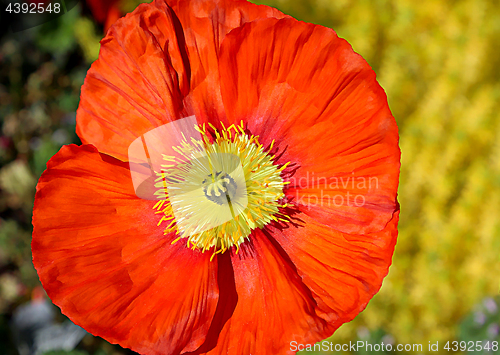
(214, 192)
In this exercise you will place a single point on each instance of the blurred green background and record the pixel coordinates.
(439, 63)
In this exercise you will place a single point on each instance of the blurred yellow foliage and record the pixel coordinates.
(87, 38)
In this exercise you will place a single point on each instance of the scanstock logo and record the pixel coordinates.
(24, 14)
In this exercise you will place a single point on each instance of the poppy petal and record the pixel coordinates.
(114, 14)
(274, 306)
(137, 83)
(100, 9)
(343, 271)
(205, 25)
(104, 261)
(158, 64)
(302, 86)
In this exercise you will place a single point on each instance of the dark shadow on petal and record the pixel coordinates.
(181, 42)
(291, 211)
(287, 260)
(247, 249)
(228, 298)
(278, 156)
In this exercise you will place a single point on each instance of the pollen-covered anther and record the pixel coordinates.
(214, 192)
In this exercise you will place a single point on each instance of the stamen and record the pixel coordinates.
(217, 190)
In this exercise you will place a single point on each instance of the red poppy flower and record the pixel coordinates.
(319, 152)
